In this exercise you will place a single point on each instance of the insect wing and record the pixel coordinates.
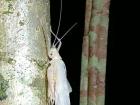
(63, 87)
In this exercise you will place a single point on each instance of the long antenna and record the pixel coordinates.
(66, 32)
(54, 35)
(60, 15)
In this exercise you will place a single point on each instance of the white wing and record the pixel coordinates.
(62, 88)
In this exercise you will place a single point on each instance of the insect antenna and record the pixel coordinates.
(56, 38)
(58, 28)
(66, 33)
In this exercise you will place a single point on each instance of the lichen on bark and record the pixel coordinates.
(23, 51)
(3, 88)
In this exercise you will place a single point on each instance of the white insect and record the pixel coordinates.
(58, 85)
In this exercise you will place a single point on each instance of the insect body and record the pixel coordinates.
(58, 85)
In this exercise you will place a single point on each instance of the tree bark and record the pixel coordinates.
(23, 51)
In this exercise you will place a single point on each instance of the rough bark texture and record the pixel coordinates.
(23, 51)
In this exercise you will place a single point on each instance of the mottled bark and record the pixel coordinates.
(93, 72)
(23, 51)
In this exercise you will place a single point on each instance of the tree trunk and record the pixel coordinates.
(23, 51)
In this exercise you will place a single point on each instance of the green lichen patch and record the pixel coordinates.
(10, 9)
(38, 85)
(21, 23)
(38, 82)
(41, 64)
(99, 64)
(18, 14)
(11, 61)
(8, 0)
(3, 87)
(7, 12)
(2, 55)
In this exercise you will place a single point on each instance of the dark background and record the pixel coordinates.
(74, 11)
(121, 88)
